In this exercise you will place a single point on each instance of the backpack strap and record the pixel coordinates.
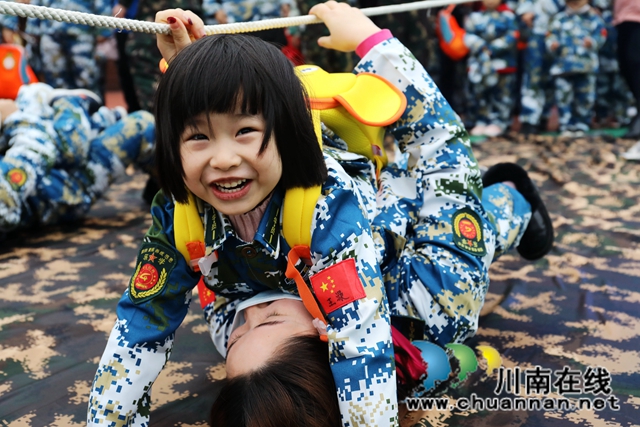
(297, 215)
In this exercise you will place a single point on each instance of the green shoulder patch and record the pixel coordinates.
(153, 267)
(467, 232)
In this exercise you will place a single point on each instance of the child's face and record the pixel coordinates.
(491, 4)
(267, 326)
(222, 163)
(576, 4)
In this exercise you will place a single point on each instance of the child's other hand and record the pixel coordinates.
(185, 26)
(527, 18)
(7, 106)
(221, 17)
(588, 43)
(348, 25)
(554, 46)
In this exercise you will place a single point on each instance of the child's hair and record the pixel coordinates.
(294, 388)
(229, 72)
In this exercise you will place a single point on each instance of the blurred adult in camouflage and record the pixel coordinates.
(64, 54)
(60, 150)
(330, 60)
(141, 49)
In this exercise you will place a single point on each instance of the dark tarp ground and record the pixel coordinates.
(578, 307)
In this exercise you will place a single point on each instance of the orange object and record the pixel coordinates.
(14, 70)
(451, 35)
(163, 65)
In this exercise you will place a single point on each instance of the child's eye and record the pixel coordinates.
(245, 131)
(197, 137)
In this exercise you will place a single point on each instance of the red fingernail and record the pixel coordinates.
(190, 21)
(171, 20)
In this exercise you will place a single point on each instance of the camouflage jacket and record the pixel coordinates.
(494, 33)
(571, 29)
(544, 11)
(244, 10)
(359, 331)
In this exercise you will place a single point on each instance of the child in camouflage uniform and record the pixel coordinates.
(491, 36)
(575, 36)
(536, 97)
(66, 52)
(415, 241)
(57, 159)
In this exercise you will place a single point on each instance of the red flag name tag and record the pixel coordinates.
(338, 285)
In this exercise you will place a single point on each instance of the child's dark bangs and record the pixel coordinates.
(218, 77)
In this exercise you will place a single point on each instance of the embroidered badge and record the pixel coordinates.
(16, 177)
(337, 285)
(467, 232)
(155, 263)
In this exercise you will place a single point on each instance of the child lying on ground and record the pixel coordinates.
(59, 152)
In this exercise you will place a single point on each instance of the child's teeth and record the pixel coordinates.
(230, 186)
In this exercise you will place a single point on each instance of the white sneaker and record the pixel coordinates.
(478, 130)
(633, 153)
(493, 130)
(82, 93)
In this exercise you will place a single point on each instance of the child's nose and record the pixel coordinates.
(224, 159)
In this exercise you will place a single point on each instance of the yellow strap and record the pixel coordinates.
(299, 205)
(187, 228)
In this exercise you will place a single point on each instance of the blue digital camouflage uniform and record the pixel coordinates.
(432, 270)
(59, 160)
(67, 51)
(537, 96)
(244, 10)
(250, 10)
(612, 93)
(491, 37)
(574, 66)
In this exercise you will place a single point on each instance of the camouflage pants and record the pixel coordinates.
(60, 160)
(143, 56)
(575, 96)
(612, 97)
(493, 104)
(68, 61)
(537, 88)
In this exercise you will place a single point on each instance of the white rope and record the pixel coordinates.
(42, 12)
